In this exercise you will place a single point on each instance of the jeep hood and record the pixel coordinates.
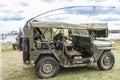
(102, 43)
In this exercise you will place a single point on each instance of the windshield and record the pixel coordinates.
(82, 33)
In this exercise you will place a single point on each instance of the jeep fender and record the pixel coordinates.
(43, 55)
(99, 55)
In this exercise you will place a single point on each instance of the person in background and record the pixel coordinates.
(20, 37)
(16, 44)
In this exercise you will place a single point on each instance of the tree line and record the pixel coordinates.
(114, 31)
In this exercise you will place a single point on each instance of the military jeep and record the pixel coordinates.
(51, 45)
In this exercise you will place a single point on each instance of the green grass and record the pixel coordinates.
(13, 69)
(6, 47)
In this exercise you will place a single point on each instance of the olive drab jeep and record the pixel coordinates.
(51, 44)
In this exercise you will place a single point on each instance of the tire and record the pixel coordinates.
(25, 45)
(25, 57)
(47, 67)
(106, 61)
(25, 50)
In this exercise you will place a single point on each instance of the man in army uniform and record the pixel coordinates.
(59, 40)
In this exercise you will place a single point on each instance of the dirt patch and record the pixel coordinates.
(12, 65)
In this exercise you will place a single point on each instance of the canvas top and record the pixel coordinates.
(95, 26)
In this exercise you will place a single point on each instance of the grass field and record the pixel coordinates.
(12, 68)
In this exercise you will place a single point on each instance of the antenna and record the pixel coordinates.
(65, 8)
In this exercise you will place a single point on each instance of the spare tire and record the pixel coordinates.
(25, 50)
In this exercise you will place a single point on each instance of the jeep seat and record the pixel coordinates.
(69, 50)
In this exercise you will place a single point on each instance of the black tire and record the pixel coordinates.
(25, 50)
(47, 67)
(106, 61)
(25, 57)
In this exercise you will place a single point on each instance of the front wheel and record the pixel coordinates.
(47, 67)
(106, 61)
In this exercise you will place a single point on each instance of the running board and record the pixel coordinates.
(83, 60)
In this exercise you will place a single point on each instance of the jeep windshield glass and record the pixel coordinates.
(83, 33)
(78, 14)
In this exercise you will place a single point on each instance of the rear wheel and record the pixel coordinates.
(47, 67)
(106, 61)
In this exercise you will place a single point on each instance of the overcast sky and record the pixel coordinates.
(14, 13)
